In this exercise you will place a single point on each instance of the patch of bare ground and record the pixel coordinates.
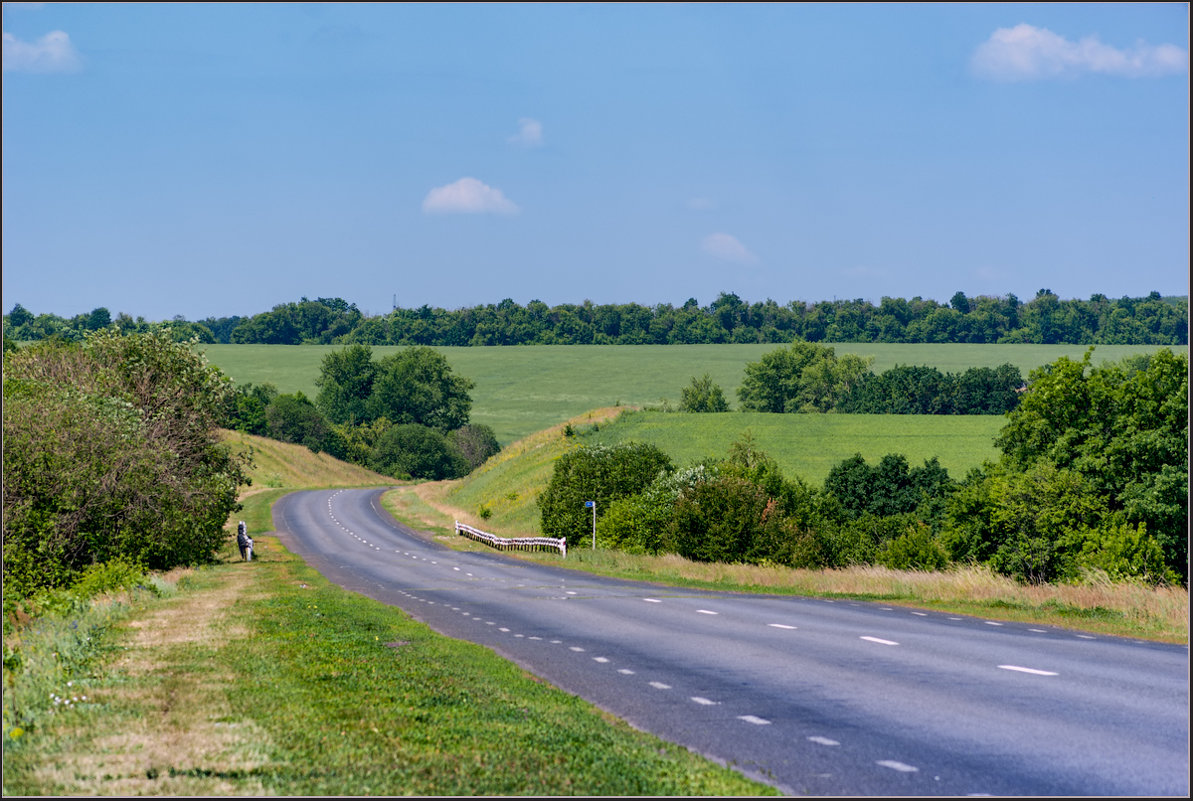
(181, 737)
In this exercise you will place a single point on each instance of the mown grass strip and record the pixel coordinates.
(268, 680)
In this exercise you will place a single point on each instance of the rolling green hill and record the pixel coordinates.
(520, 390)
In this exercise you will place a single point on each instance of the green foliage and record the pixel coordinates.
(804, 377)
(1029, 524)
(601, 474)
(727, 519)
(116, 574)
(345, 383)
(110, 452)
(417, 385)
(1124, 427)
(293, 418)
(889, 488)
(982, 319)
(702, 395)
(414, 450)
(1125, 551)
(246, 408)
(320, 320)
(475, 442)
(914, 549)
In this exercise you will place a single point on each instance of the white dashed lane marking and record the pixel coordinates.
(880, 641)
(823, 741)
(704, 701)
(1032, 671)
(757, 721)
(707, 612)
(781, 626)
(899, 766)
(658, 685)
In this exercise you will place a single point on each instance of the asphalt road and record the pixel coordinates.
(812, 696)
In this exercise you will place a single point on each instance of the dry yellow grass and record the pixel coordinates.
(281, 464)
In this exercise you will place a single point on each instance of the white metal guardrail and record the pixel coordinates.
(514, 543)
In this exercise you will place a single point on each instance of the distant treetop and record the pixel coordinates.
(1046, 319)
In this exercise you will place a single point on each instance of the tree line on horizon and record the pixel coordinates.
(1046, 319)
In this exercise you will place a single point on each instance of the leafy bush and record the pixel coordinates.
(1125, 551)
(110, 452)
(914, 549)
(417, 451)
(601, 474)
(702, 395)
(476, 443)
(116, 574)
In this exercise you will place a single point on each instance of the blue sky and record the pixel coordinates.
(211, 160)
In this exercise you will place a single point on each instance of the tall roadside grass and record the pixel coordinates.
(55, 642)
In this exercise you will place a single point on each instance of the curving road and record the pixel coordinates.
(812, 696)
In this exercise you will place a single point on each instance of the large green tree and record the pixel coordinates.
(417, 385)
(804, 377)
(345, 383)
(110, 451)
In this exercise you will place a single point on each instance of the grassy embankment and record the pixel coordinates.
(521, 390)
(263, 678)
(508, 484)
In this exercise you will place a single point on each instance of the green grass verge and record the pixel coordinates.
(336, 694)
(520, 390)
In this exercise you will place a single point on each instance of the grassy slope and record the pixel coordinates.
(521, 390)
(804, 445)
(809, 445)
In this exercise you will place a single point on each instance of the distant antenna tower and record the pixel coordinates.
(395, 308)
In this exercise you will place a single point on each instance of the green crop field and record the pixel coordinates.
(520, 390)
(809, 445)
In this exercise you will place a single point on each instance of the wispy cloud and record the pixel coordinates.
(727, 247)
(1028, 53)
(700, 204)
(51, 53)
(468, 196)
(530, 133)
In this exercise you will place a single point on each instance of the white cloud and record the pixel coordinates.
(727, 247)
(530, 133)
(701, 204)
(51, 53)
(1026, 53)
(468, 196)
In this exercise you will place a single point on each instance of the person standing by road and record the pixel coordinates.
(243, 542)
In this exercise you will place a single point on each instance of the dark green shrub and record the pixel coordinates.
(597, 473)
(417, 451)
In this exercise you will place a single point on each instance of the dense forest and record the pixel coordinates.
(1045, 319)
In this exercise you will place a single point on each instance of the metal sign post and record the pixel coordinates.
(592, 505)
